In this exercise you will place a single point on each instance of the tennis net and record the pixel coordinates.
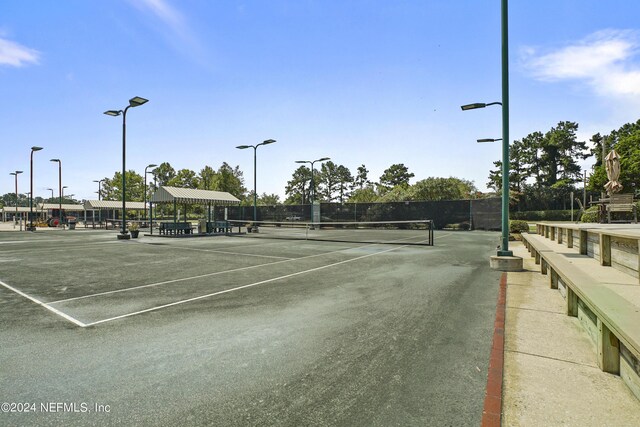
(417, 232)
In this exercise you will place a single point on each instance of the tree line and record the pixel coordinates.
(336, 183)
(544, 167)
(544, 170)
(331, 183)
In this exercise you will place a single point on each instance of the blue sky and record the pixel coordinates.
(363, 82)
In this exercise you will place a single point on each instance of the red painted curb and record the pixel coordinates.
(492, 410)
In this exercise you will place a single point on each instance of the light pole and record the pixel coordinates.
(62, 193)
(51, 189)
(133, 102)
(145, 189)
(31, 227)
(16, 173)
(99, 181)
(255, 193)
(313, 186)
(504, 252)
(59, 186)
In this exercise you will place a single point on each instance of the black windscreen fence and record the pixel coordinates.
(477, 214)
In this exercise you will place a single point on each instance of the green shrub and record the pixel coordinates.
(590, 215)
(458, 226)
(557, 215)
(518, 226)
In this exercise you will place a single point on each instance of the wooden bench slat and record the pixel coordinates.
(617, 313)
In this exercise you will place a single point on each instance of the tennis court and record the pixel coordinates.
(246, 330)
(89, 278)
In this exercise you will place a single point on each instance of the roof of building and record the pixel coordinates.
(65, 206)
(112, 204)
(192, 195)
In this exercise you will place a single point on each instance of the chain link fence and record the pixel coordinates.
(476, 214)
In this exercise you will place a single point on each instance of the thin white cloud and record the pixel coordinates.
(606, 61)
(16, 55)
(180, 35)
(161, 9)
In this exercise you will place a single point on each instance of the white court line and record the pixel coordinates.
(241, 287)
(83, 325)
(32, 241)
(200, 276)
(65, 248)
(224, 252)
(58, 312)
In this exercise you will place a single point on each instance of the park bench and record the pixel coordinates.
(219, 226)
(174, 228)
(610, 319)
(621, 203)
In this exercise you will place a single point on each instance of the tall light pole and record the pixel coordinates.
(133, 102)
(504, 251)
(504, 19)
(145, 189)
(51, 189)
(255, 193)
(16, 173)
(65, 186)
(31, 227)
(313, 185)
(99, 181)
(60, 187)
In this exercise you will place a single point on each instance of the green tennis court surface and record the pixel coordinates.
(239, 331)
(417, 232)
(90, 278)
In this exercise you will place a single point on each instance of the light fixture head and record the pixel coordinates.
(323, 159)
(489, 139)
(152, 165)
(113, 113)
(268, 141)
(137, 101)
(473, 106)
(55, 160)
(36, 148)
(303, 161)
(242, 147)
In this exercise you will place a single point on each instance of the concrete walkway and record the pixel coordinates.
(551, 376)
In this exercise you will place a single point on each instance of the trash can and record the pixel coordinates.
(202, 226)
(72, 225)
